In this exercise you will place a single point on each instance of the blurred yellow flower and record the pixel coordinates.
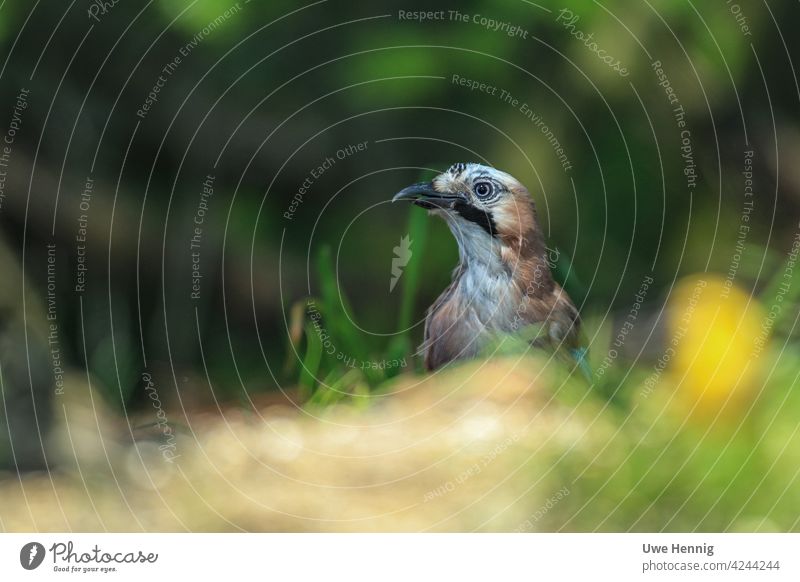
(713, 328)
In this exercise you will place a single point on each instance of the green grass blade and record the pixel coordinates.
(311, 362)
(335, 309)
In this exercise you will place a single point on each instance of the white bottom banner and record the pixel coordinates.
(378, 557)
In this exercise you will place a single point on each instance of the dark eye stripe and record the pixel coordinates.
(480, 217)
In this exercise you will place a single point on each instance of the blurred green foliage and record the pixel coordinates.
(271, 90)
(266, 95)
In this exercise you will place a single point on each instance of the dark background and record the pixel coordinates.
(270, 92)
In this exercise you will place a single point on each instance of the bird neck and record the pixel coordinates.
(519, 261)
(526, 256)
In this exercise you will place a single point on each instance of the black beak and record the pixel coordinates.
(423, 194)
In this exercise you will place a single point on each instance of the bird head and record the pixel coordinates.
(490, 213)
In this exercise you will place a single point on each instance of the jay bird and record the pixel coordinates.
(502, 284)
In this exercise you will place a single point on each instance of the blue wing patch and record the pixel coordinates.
(581, 356)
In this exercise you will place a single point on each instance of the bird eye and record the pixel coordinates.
(483, 189)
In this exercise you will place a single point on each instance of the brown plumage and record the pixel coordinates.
(502, 284)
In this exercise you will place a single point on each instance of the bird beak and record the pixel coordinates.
(423, 194)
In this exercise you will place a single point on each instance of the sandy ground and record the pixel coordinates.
(469, 449)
